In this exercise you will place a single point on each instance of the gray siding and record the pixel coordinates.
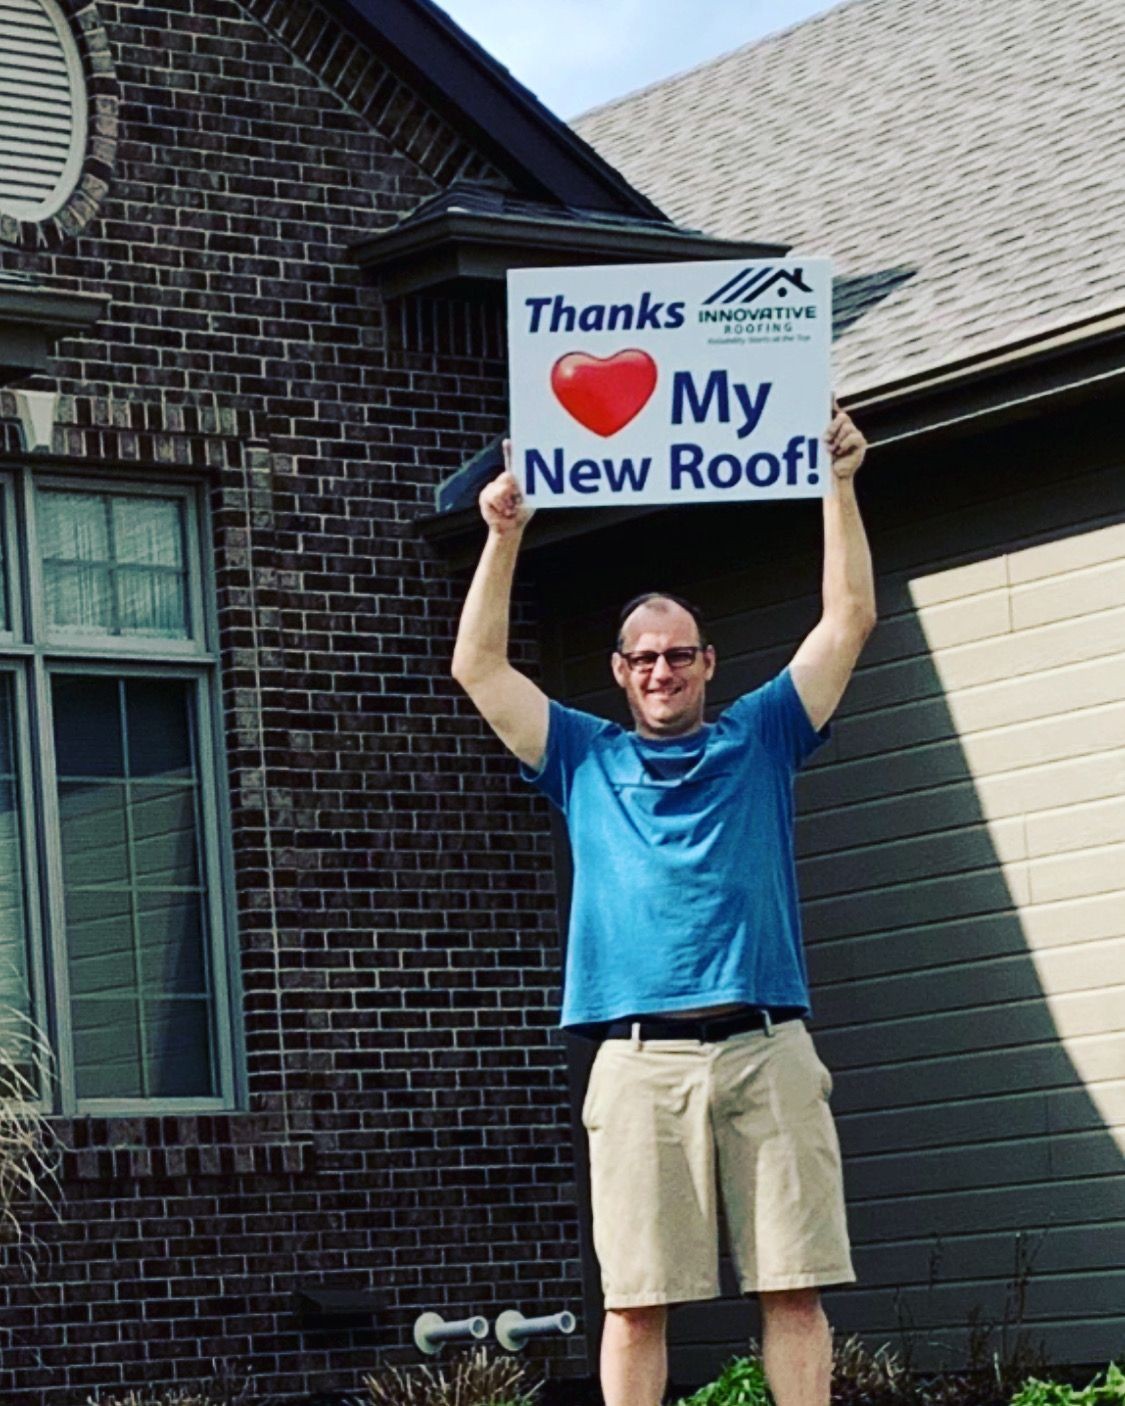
(962, 866)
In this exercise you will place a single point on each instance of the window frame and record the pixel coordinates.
(198, 643)
(9, 578)
(33, 655)
(31, 875)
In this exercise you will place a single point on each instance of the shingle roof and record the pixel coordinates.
(962, 161)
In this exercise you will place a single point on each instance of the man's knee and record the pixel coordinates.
(636, 1324)
(792, 1308)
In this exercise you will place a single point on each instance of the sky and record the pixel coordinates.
(578, 54)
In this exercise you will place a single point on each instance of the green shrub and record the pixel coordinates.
(742, 1382)
(1106, 1390)
(862, 1377)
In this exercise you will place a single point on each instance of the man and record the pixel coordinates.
(684, 954)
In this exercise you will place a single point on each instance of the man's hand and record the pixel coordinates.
(502, 503)
(845, 443)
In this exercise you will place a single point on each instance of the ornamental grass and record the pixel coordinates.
(473, 1378)
(29, 1153)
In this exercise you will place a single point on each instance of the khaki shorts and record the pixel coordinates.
(664, 1116)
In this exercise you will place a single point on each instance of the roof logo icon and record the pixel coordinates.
(751, 283)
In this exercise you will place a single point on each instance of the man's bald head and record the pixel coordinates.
(661, 603)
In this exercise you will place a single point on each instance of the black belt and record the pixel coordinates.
(706, 1029)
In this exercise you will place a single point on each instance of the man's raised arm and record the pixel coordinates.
(824, 663)
(513, 707)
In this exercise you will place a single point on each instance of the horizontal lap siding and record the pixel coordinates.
(962, 867)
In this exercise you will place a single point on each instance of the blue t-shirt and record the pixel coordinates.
(685, 888)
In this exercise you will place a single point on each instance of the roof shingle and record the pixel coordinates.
(961, 161)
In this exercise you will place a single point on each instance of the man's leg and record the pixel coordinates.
(796, 1347)
(634, 1356)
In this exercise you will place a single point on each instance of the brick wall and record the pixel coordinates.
(405, 1127)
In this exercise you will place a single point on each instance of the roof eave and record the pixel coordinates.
(1067, 362)
(453, 245)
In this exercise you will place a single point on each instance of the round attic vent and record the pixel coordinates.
(42, 109)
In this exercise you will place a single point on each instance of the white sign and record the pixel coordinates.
(670, 383)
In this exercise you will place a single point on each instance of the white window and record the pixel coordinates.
(111, 924)
(42, 109)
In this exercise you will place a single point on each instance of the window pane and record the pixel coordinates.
(135, 913)
(94, 828)
(151, 603)
(10, 866)
(107, 1051)
(171, 943)
(147, 530)
(99, 938)
(177, 1041)
(5, 618)
(7, 747)
(15, 984)
(78, 599)
(73, 526)
(113, 564)
(160, 729)
(164, 835)
(88, 739)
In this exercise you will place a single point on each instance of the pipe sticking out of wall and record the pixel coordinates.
(432, 1332)
(513, 1330)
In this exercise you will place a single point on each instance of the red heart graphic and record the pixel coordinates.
(604, 393)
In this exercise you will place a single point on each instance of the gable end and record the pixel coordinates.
(373, 91)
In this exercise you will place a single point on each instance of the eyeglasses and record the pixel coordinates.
(680, 656)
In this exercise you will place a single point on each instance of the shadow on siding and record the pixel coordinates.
(965, 1119)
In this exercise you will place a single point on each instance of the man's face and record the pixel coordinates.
(665, 702)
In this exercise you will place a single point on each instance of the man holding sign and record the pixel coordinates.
(684, 955)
